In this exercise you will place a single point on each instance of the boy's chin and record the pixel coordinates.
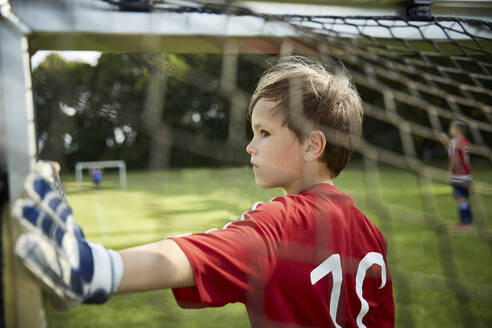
(265, 184)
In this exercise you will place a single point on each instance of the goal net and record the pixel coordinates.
(415, 76)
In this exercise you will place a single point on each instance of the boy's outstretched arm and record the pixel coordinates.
(55, 250)
(155, 266)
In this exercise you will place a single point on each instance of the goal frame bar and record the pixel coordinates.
(80, 166)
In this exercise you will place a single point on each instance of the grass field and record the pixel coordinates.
(193, 200)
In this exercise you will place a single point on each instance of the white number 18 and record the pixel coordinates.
(333, 265)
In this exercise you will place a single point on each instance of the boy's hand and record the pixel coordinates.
(50, 170)
(444, 139)
(54, 248)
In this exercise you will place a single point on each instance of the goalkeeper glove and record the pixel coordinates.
(55, 250)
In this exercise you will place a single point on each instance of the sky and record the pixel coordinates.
(90, 57)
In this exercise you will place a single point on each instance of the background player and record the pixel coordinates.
(97, 176)
(459, 168)
(308, 258)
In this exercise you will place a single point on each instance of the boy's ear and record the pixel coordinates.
(315, 145)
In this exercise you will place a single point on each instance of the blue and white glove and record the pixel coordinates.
(55, 250)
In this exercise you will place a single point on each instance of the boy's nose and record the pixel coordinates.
(250, 148)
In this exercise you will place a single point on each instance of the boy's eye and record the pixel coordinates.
(264, 133)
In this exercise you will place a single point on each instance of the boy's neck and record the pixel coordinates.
(297, 188)
(310, 178)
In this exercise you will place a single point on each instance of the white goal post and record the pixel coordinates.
(80, 166)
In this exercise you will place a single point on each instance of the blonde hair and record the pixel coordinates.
(311, 97)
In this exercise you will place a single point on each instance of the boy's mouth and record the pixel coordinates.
(253, 164)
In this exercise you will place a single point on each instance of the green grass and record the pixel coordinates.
(159, 204)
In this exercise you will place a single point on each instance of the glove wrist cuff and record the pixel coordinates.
(117, 264)
(108, 270)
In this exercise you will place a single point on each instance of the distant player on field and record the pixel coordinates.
(97, 177)
(459, 168)
(309, 258)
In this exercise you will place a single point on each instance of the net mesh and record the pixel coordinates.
(414, 78)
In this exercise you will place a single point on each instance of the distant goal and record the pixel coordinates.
(81, 166)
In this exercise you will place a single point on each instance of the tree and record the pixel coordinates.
(58, 88)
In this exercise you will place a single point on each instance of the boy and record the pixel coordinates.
(459, 169)
(308, 258)
(97, 177)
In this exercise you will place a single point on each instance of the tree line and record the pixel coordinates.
(151, 110)
(157, 110)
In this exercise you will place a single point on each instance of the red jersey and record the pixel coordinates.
(459, 160)
(307, 259)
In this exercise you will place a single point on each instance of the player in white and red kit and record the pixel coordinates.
(309, 258)
(460, 169)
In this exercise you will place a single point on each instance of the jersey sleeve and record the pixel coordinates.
(230, 262)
